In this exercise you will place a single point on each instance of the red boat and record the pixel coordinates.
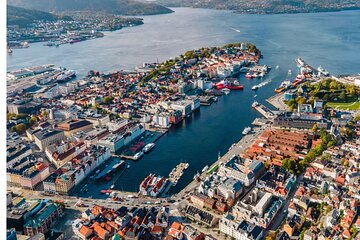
(231, 86)
(105, 191)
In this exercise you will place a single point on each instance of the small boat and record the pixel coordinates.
(215, 99)
(112, 186)
(138, 155)
(255, 104)
(256, 87)
(205, 168)
(277, 67)
(255, 95)
(186, 165)
(148, 147)
(289, 72)
(226, 91)
(128, 166)
(246, 130)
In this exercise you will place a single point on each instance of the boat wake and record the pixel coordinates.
(236, 30)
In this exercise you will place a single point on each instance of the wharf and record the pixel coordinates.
(259, 121)
(267, 113)
(177, 172)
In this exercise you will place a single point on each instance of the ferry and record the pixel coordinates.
(138, 155)
(148, 147)
(323, 71)
(246, 130)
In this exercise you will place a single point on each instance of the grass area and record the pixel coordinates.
(344, 106)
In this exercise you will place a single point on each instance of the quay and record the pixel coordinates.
(266, 112)
(177, 172)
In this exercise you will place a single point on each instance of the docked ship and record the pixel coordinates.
(229, 85)
(153, 185)
(148, 147)
(323, 71)
(299, 79)
(299, 62)
(255, 87)
(283, 86)
(205, 168)
(255, 104)
(246, 130)
(67, 75)
(105, 174)
(138, 155)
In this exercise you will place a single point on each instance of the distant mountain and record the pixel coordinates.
(23, 17)
(121, 7)
(267, 6)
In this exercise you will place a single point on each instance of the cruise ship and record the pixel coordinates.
(148, 147)
(67, 75)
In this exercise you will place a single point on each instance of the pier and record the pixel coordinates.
(267, 113)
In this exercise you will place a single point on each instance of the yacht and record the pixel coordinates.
(323, 71)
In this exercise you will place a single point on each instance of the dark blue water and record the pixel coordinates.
(328, 39)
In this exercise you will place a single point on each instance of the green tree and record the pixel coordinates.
(20, 128)
(107, 100)
(32, 120)
(342, 97)
(314, 128)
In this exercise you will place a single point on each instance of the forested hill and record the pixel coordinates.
(121, 7)
(267, 6)
(23, 17)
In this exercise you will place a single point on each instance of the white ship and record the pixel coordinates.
(300, 62)
(205, 168)
(323, 71)
(246, 130)
(148, 147)
(67, 75)
(138, 155)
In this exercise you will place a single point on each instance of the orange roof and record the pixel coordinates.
(176, 226)
(101, 232)
(85, 231)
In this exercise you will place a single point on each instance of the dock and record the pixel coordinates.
(177, 172)
(266, 112)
